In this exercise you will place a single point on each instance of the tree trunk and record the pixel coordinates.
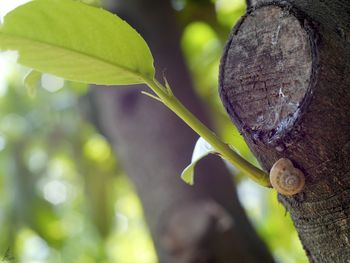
(283, 81)
(204, 223)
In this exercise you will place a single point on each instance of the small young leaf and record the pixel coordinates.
(151, 96)
(77, 42)
(201, 149)
(31, 82)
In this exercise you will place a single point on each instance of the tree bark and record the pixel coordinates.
(204, 223)
(283, 81)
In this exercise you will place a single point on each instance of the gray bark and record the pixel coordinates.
(204, 223)
(283, 81)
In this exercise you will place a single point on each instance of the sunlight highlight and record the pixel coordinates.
(8, 5)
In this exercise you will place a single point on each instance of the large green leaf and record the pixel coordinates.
(77, 42)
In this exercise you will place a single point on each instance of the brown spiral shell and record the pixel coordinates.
(285, 178)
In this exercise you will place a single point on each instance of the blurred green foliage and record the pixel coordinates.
(63, 197)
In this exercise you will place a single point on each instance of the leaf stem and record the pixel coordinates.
(256, 174)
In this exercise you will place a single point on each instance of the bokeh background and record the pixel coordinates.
(63, 195)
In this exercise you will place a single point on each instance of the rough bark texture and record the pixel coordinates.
(204, 223)
(251, 3)
(284, 82)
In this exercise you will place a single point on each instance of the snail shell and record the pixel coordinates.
(285, 178)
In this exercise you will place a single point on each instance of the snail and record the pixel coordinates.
(285, 178)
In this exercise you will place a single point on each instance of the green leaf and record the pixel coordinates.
(77, 42)
(31, 82)
(201, 149)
